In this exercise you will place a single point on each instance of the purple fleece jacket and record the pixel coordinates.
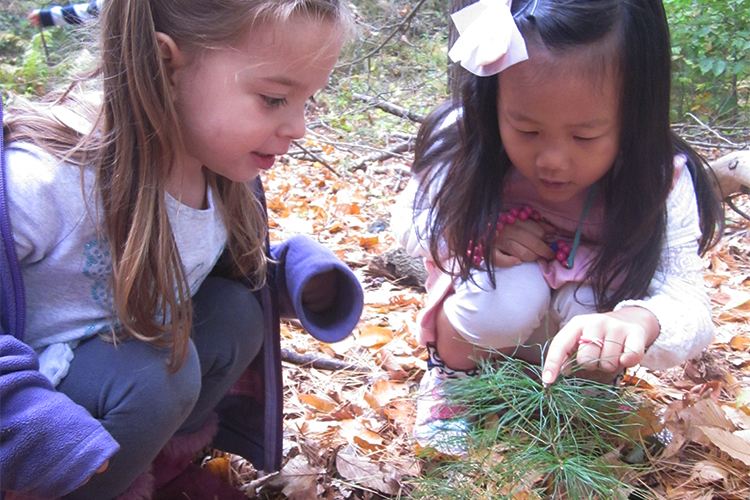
(48, 444)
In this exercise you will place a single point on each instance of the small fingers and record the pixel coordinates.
(560, 350)
(633, 349)
(501, 259)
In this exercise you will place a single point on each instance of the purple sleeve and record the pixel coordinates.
(49, 445)
(299, 259)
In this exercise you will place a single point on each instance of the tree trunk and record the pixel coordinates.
(733, 173)
(454, 70)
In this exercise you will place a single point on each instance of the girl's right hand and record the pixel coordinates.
(521, 242)
(34, 17)
(98, 471)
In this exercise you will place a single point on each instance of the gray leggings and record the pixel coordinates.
(128, 389)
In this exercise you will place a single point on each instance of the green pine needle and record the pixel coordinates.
(531, 441)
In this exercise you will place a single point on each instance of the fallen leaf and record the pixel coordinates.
(298, 479)
(728, 442)
(373, 335)
(322, 404)
(219, 467)
(740, 343)
(368, 474)
(706, 472)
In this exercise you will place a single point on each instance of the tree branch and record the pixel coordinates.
(320, 362)
(391, 108)
(377, 49)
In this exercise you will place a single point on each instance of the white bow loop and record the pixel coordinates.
(490, 40)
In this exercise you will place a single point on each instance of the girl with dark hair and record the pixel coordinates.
(133, 218)
(552, 202)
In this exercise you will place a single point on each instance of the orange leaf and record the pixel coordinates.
(372, 335)
(740, 343)
(368, 242)
(219, 467)
(321, 404)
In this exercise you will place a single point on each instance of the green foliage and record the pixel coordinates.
(535, 441)
(32, 62)
(710, 47)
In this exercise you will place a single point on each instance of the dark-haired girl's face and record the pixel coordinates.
(560, 125)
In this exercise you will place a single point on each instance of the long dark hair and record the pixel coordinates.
(468, 160)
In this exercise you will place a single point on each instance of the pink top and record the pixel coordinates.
(565, 217)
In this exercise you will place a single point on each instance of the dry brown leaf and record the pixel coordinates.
(740, 343)
(367, 474)
(220, 468)
(706, 413)
(298, 479)
(707, 472)
(739, 300)
(320, 403)
(731, 444)
(385, 391)
(373, 335)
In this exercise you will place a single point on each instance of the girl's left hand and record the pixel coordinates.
(609, 341)
(319, 293)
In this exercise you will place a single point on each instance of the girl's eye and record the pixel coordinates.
(584, 139)
(529, 133)
(273, 102)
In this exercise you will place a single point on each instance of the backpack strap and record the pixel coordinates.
(12, 295)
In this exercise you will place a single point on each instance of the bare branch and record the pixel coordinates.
(315, 157)
(394, 151)
(320, 362)
(391, 108)
(714, 132)
(377, 49)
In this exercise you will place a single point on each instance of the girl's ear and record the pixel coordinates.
(172, 57)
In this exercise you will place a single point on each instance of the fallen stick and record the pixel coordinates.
(320, 362)
(316, 158)
(394, 151)
(391, 108)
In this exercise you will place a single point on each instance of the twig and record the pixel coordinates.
(730, 201)
(391, 108)
(316, 158)
(320, 362)
(348, 146)
(377, 49)
(394, 151)
(44, 44)
(257, 483)
(721, 137)
(703, 144)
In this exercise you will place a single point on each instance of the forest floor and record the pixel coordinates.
(350, 406)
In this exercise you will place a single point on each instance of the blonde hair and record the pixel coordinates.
(133, 137)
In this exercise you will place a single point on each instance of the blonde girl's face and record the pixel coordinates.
(240, 107)
(559, 124)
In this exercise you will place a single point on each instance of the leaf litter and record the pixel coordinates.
(348, 434)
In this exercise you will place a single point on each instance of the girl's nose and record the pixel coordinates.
(551, 157)
(294, 126)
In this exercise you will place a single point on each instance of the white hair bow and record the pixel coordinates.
(490, 40)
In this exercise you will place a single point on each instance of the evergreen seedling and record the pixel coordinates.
(528, 440)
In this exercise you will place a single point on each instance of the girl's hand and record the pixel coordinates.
(34, 17)
(522, 241)
(98, 471)
(319, 293)
(608, 341)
